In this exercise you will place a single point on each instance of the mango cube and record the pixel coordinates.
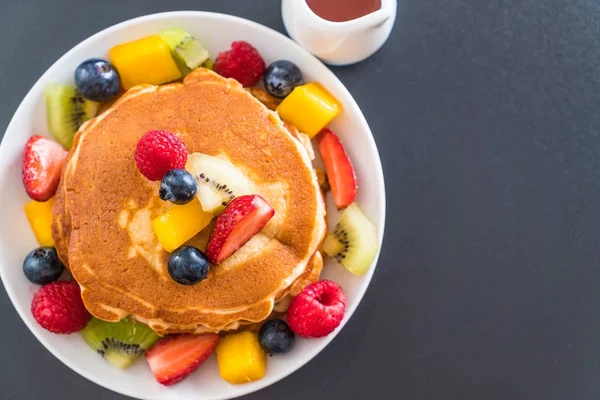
(240, 358)
(146, 60)
(40, 218)
(309, 108)
(180, 223)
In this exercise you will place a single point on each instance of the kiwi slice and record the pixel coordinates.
(188, 53)
(353, 242)
(121, 343)
(66, 110)
(219, 181)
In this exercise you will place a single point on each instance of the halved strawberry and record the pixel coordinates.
(340, 171)
(243, 218)
(174, 358)
(43, 160)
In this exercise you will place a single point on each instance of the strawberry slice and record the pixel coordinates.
(243, 218)
(340, 171)
(174, 358)
(43, 160)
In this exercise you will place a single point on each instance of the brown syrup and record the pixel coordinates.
(343, 10)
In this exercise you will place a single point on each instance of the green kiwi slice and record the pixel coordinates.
(120, 343)
(353, 242)
(66, 110)
(219, 181)
(188, 53)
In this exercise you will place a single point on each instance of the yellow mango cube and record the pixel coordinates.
(146, 60)
(309, 108)
(240, 358)
(40, 218)
(180, 223)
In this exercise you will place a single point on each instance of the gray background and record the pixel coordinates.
(486, 116)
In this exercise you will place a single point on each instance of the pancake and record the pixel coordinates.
(104, 208)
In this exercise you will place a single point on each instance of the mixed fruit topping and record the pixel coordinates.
(242, 63)
(243, 218)
(43, 160)
(39, 215)
(173, 358)
(120, 343)
(58, 308)
(317, 310)
(158, 152)
(309, 108)
(202, 192)
(97, 80)
(180, 223)
(188, 265)
(240, 358)
(144, 61)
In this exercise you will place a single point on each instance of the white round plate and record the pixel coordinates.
(216, 32)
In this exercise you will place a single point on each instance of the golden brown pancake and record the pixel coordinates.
(105, 208)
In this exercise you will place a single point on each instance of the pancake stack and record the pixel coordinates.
(104, 208)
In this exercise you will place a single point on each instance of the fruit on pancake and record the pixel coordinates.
(243, 218)
(146, 60)
(178, 186)
(317, 310)
(243, 63)
(174, 358)
(120, 343)
(353, 242)
(158, 152)
(42, 266)
(43, 160)
(188, 52)
(188, 265)
(309, 108)
(66, 110)
(276, 337)
(281, 77)
(180, 223)
(240, 358)
(58, 308)
(339, 168)
(97, 80)
(219, 181)
(39, 215)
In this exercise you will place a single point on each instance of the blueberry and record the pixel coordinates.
(178, 186)
(281, 77)
(97, 80)
(188, 265)
(276, 337)
(42, 266)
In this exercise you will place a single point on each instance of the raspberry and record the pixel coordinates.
(158, 152)
(58, 308)
(243, 63)
(317, 310)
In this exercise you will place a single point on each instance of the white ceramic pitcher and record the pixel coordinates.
(338, 43)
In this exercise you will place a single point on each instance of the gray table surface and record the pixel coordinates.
(486, 117)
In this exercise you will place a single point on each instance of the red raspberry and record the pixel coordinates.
(243, 63)
(317, 310)
(58, 307)
(158, 152)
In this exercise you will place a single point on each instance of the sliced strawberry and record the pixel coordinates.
(42, 165)
(340, 171)
(174, 358)
(243, 218)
